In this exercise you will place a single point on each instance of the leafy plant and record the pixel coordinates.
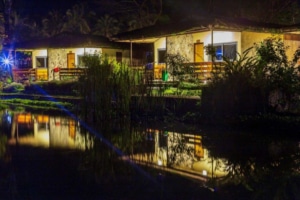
(175, 66)
(105, 89)
(252, 85)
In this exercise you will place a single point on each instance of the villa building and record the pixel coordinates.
(188, 38)
(43, 58)
(147, 47)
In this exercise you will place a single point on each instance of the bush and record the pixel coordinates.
(247, 84)
(53, 88)
(13, 88)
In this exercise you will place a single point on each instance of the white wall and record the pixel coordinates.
(77, 51)
(205, 37)
(35, 53)
(218, 37)
(159, 44)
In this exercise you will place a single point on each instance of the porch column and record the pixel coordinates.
(130, 53)
(211, 27)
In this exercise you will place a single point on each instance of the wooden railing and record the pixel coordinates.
(204, 70)
(37, 74)
(41, 74)
(20, 75)
(200, 70)
(71, 73)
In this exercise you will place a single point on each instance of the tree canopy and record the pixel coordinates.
(29, 19)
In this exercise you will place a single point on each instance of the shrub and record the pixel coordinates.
(247, 83)
(13, 88)
(105, 89)
(53, 88)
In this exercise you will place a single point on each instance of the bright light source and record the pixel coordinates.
(204, 173)
(6, 61)
(159, 162)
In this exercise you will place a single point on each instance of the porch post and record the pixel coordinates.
(130, 53)
(212, 45)
(212, 40)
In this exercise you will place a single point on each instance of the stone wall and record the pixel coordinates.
(181, 44)
(57, 58)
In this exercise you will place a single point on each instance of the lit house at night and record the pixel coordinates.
(65, 50)
(189, 38)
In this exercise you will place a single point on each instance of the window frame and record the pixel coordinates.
(45, 61)
(159, 51)
(220, 46)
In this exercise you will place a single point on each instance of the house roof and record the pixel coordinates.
(195, 24)
(70, 40)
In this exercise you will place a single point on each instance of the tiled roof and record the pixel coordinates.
(69, 40)
(197, 24)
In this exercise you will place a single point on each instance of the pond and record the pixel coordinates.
(58, 157)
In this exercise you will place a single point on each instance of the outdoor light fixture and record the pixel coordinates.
(159, 162)
(6, 61)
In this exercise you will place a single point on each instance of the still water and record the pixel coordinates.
(206, 160)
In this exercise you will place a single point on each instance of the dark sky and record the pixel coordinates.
(175, 8)
(34, 7)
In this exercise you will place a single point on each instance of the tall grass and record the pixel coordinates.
(105, 89)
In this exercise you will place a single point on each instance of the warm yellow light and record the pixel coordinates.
(159, 162)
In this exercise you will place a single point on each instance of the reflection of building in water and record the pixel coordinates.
(177, 151)
(48, 131)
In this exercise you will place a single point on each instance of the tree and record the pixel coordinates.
(269, 11)
(53, 25)
(7, 12)
(22, 28)
(2, 28)
(75, 20)
(277, 74)
(140, 13)
(107, 26)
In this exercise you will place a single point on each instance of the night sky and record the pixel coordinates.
(41, 8)
(38, 9)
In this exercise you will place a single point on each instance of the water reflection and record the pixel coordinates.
(266, 166)
(169, 150)
(177, 152)
(257, 163)
(45, 131)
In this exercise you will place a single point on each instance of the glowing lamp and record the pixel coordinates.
(6, 61)
(159, 162)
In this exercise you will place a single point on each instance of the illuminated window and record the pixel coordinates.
(161, 55)
(41, 62)
(228, 50)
